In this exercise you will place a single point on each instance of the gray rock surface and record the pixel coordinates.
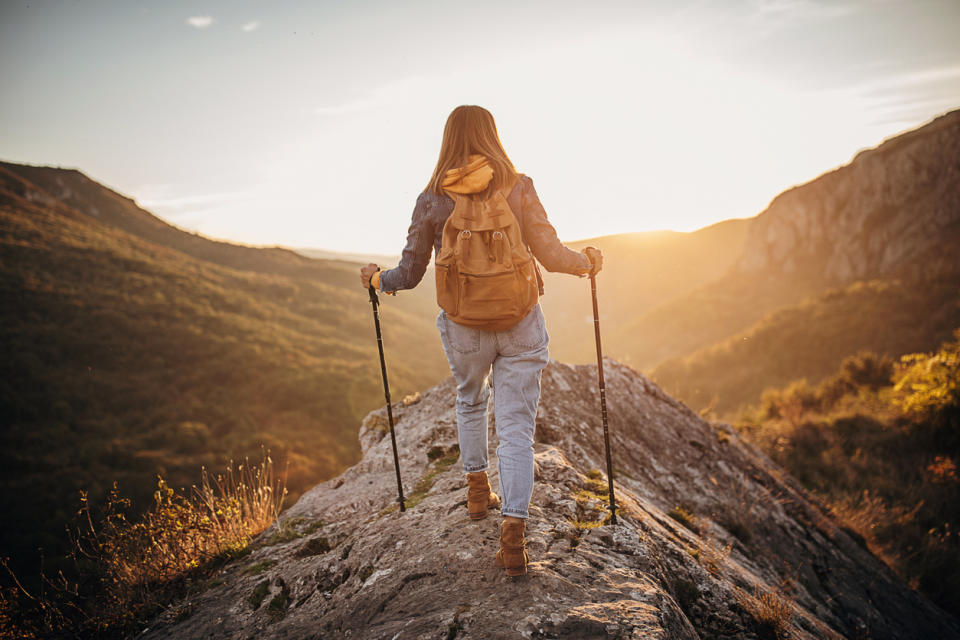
(749, 555)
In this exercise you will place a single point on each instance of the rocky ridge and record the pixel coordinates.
(713, 540)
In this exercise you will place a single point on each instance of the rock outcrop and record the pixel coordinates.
(713, 540)
(893, 209)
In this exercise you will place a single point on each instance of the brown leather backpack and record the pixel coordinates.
(486, 277)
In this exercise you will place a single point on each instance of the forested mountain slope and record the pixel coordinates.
(861, 258)
(642, 271)
(131, 348)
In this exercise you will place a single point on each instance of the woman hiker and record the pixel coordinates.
(483, 220)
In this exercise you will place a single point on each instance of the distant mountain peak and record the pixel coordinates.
(891, 210)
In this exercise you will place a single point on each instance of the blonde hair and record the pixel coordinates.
(470, 129)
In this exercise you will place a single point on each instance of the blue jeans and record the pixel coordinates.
(516, 357)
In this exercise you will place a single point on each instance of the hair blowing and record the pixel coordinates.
(470, 129)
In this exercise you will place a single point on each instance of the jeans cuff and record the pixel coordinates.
(516, 513)
(475, 468)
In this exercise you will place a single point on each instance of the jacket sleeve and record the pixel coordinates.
(416, 253)
(542, 237)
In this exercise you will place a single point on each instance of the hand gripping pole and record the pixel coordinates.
(386, 392)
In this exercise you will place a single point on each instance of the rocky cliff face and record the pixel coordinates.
(748, 554)
(893, 209)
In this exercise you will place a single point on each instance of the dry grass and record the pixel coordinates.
(126, 571)
(771, 610)
(181, 532)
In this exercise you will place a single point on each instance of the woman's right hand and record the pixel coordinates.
(366, 273)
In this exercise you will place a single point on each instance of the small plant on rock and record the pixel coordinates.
(259, 593)
(592, 503)
(684, 515)
(772, 612)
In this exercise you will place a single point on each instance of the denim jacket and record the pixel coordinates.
(426, 232)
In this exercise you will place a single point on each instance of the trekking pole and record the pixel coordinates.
(386, 392)
(603, 397)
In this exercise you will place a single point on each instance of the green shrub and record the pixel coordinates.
(929, 385)
(880, 443)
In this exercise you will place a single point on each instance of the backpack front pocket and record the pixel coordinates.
(448, 288)
(490, 297)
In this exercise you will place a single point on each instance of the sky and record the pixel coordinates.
(316, 124)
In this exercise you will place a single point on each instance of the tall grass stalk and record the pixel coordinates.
(126, 571)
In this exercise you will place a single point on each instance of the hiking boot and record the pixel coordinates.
(479, 496)
(512, 555)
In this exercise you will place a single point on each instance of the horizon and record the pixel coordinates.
(242, 123)
(350, 255)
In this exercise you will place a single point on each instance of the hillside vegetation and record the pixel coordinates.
(641, 271)
(880, 441)
(122, 358)
(886, 317)
(891, 214)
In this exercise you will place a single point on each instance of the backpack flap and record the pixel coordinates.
(485, 275)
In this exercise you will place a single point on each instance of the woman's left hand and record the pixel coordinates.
(366, 273)
(596, 259)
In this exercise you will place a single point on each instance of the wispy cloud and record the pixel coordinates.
(921, 76)
(805, 8)
(908, 98)
(767, 17)
(162, 198)
(253, 25)
(352, 106)
(200, 22)
(389, 93)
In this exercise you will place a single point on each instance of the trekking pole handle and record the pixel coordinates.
(373, 295)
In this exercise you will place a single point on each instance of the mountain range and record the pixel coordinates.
(861, 258)
(132, 348)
